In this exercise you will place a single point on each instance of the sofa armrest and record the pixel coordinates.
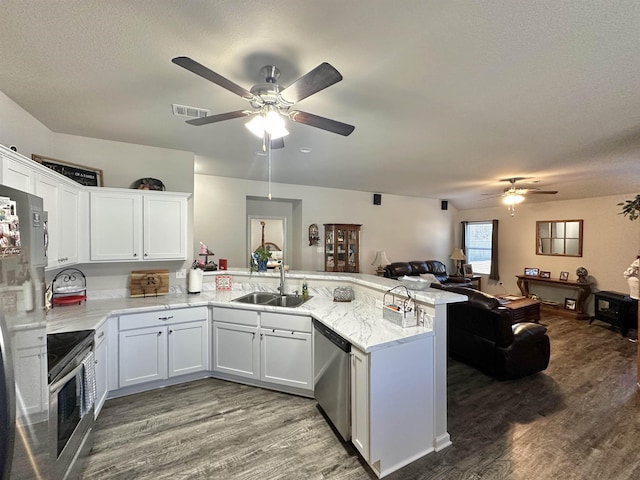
(525, 330)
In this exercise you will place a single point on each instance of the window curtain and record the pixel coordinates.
(463, 237)
(494, 273)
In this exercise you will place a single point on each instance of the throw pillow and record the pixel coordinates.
(429, 277)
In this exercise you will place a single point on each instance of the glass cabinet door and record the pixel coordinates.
(341, 247)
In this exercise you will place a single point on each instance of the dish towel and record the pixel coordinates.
(89, 394)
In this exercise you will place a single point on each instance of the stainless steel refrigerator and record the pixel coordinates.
(24, 396)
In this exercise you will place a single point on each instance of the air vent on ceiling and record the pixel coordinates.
(184, 111)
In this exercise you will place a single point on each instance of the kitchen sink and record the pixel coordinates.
(274, 299)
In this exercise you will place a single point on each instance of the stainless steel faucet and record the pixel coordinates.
(281, 288)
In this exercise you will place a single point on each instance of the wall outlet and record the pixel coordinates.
(181, 273)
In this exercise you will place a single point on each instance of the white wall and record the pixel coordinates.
(611, 242)
(20, 128)
(406, 228)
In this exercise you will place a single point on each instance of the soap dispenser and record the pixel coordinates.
(305, 289)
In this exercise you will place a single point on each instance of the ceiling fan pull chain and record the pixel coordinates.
(267, 141)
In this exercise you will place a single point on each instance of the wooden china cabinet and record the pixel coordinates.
(342, 247)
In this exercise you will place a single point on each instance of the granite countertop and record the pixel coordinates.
(359, 321)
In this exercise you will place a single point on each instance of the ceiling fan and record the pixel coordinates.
(270, 101)
(515, 193)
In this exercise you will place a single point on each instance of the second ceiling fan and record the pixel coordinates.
(270, 102)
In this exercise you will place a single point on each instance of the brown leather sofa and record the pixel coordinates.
(482, 334)
(417, 267)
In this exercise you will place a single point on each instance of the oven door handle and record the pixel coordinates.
(57, 385)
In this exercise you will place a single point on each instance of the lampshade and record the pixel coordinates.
(271, 122)
(381, 259)
(457, 254)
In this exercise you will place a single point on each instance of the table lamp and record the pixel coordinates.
(458, 256)
(380, 261)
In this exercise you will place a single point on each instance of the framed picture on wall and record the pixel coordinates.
(531, 272)
(88, 176)
(564, 276)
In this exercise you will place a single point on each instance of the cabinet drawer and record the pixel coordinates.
(162, 317)
(101, 334)
(30, 338)
(232, 315)
(281, 321)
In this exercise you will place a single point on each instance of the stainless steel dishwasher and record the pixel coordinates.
(332, 377)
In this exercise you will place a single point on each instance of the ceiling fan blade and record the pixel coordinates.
(321, 77)
(321, 122)
(277, 143)
(204, 72)
(547, 192)
(219, 118)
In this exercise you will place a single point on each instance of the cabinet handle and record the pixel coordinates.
(135, 254)
(159, 333)
(254, 335)
(165, 318)
(95, 362)
(146, 254)
(101, 334)
(170, 332)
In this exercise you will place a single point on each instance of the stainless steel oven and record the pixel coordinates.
(71, 415)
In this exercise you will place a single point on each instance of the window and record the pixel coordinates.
(478, 245)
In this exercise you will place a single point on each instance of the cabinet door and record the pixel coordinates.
(236, 350)
(116, 226)
(188, 348)
(102, 368)
(165, 227)
(286, 358)
(31, 365)
(48, 189)
(360, 401)
(17, 175)
(143, 355)
(68, 216)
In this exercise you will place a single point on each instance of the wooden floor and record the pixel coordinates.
(580, 419)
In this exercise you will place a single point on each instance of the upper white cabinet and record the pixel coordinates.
(61, 199)
(130, 225)
(17, 174)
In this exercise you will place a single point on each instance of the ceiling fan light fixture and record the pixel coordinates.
(271, 123)
(513, 199)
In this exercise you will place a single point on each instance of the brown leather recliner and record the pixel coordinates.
(481, 334)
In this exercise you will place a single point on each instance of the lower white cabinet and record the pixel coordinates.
(360, 401)
(236, 350)
(31, 364)
(264, 346)
(102, 367)
(162, 344)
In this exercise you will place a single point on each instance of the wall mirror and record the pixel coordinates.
(559, 237)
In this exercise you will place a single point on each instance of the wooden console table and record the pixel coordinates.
(584, 290)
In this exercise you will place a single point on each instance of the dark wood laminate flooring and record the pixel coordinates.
(580, 419)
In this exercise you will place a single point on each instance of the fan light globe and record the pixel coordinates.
(272, 123)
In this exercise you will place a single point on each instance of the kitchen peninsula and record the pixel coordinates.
(399, 412)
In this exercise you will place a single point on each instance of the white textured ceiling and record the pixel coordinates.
(447, 97)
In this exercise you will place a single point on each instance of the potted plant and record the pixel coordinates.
(259, 259)
(631, 208)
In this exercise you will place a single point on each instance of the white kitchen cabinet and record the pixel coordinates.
(270, 347)
(134, 226)
(286, 350)
(236, 350)
(162, 344)
(31, 365)
(102, 367)
(360, 401)
(17, 174)
(188, 348)
(143, 355)
(61, 201)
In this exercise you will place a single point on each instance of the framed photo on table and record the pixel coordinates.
(545, 274)
(570, 304)
(564, 276)
(467, 270)
(531, 272)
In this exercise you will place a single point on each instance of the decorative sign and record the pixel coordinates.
(149, 283)
(224, 282)
(89, 176)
